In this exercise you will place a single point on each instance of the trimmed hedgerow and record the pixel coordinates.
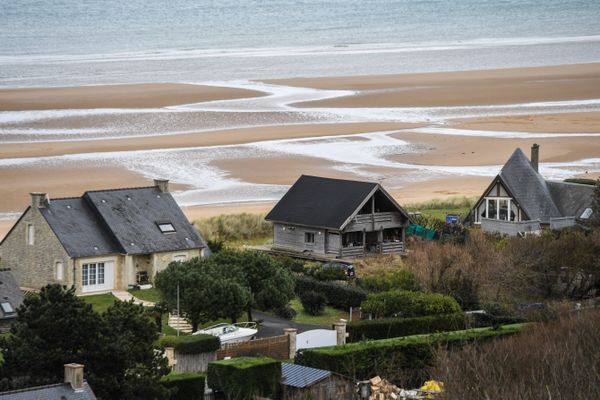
(409, 304)
(338, 295)
(396, 327)
(245, 377)
(409, 355)
(193, 344)
(189, 385)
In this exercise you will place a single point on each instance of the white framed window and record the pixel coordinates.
(59, 270)
(499, 208)
(180, 258)
(92, 274)
(7, 308)
(30, 234)
(309, 237)
(166, 227)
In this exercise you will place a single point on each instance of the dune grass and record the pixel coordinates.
(438, 208)
(235, 228)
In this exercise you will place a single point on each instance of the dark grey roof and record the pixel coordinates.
(300, 376)
(571, 198)
(133, 215)
(9, 293)
(60, 391)
(78, 228)
(320, 202)
(529, 188)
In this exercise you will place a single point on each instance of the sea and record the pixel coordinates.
(86, 42)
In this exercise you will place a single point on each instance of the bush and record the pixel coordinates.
(338, 295)
(401, 360)
(292, 264)
(313, 302)
(321, 273)
(389, 280)
(409, 304)
(245, 377)
(286, 312)
(186, 385)
(192, 344)
(396, 327)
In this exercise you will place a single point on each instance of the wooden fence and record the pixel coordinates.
(277, 347)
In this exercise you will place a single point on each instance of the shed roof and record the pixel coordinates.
(301, 377)
(9, 293)
(59, 391)
(321, 202)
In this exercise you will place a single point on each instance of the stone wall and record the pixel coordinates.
(34, 265)
(160, 261)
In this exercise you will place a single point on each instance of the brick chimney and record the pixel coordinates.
(39, 199)
(74, 375)
(162, 185)
(535, 156)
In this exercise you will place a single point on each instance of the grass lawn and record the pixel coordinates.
(439, 208)
(154, 295)
(100, 302)
(329, 316)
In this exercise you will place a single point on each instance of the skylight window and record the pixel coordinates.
(587, 213)
(166, 227)
(7, 308)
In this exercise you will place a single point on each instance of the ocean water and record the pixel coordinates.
(71, 42)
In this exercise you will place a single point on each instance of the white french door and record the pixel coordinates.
(97, 276)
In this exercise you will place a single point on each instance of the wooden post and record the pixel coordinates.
(364, 240)
(373, 213)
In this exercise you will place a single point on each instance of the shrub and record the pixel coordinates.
(186, 385)
(313, 302)
(338, 295)
(396, 327)
(402, 360)
(409, 304)
(192, 344)
(389, 280)
(321, 273)
(245, 377)
(292, 264)
(285, 312)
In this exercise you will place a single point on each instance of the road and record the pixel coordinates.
(273, 326)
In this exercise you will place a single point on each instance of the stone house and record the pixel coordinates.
(101, 241)
(338, 218)
(519, 200)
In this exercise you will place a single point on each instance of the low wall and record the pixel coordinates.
(277, 347)
(508, 227)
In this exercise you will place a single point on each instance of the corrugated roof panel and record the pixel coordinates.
(300, 376)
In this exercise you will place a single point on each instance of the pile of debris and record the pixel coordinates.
(381, 389)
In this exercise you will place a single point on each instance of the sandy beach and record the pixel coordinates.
(278, 153)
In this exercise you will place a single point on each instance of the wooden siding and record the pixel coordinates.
(374, 222)
(293, 237)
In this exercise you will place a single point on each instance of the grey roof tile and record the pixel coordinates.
(60, 391)
(9, 293)
(571, 198)
(300, 376)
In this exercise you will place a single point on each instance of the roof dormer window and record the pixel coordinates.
(7, 308)
(166, 227)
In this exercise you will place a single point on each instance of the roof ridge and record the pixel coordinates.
(339, 179)
(30, 389)
(116, 189)
(51, 199)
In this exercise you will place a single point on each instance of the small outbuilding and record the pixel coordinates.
(299, 382)
(339, 218)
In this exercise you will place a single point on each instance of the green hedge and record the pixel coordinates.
(407, 356)
(338, 295)
(245, 377)
(396, 327)
(192, 344)
(409, 304)
(188, 385)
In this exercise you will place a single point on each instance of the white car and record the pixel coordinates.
(231, 333)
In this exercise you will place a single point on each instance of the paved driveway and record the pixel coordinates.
(274, 326)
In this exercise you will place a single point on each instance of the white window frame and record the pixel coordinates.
(93, 274)
(166, 227)
(59, 270)
(30, 234)
(497, 200)
(180, 258)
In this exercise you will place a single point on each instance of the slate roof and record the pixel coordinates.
(9, 293)
(78, 228)
(60, 391)
(301, 377)
(320, 202)
(132, 216)
(120, 221)
(539, 198)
